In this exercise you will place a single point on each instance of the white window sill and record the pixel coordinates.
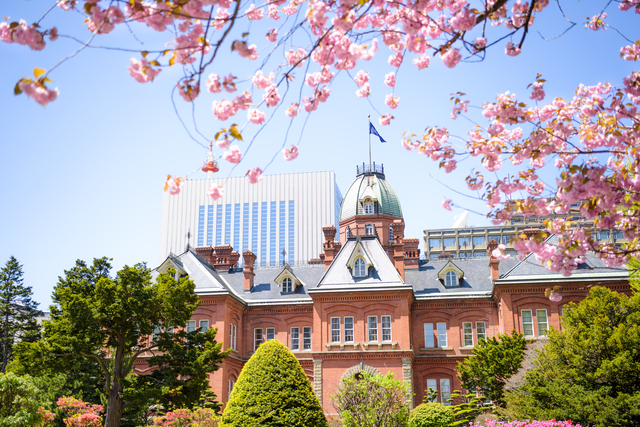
(435, 348)
(467, 347)
(301, 351)
(342, 345)
(380, 345)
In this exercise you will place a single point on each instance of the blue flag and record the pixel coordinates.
(373, 131)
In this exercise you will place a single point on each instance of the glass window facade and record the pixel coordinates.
(442, 334)
(201, 226)
(292, 234)
(372, 327)
(245, 228)
(227, 224)
(255, 217)
(264, 224)
(434, 243)
(306, 338)
(295, 339)
(478, 240)
(236, 227)
(282, 229)
(348, 329)
(335, 329)
(467, 331)
(386, 327)
(527, 323)
(543, 325)
(481, 330)
(449, 241)
(272, 234)
(429, 338)
(210, 209)
(218, 225)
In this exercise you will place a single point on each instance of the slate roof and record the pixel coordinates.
(476, 280)
(423, 281)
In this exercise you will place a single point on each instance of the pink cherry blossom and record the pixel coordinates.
(290, 154)
(254, 14)
(223, 143)
(385, 120)
(296, 57)
(249, 52)
(390, 79)
(361, 78)
(173, 185)
(597, 22)
(232, 155)
(392, 101)
(446, 203)
(364, 91)
(142, 71)
(256, 117)
(213, 83)
(293, 110)
(396, 60)
(215, 192)
(254, 175)
(271, 96)
(421, 62)
(451, 57)
(228, 83)
(53, 34)
(512, 50)
(272, 35)
(38, 91)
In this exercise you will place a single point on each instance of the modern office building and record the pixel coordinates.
(279, 218)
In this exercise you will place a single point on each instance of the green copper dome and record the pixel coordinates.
(372, 186)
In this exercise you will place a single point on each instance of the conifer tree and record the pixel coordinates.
(17, 311)
(272, 390)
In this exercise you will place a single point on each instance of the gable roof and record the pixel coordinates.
(338, 277)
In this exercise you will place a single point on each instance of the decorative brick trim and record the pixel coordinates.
(360, 367)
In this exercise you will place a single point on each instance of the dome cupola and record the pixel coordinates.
(370, 194)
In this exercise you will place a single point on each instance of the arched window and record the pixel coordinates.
(369, 229)
(451, 279)
(287, 285)
(368, 208)
(359, 268)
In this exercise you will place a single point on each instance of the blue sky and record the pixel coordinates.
(83, 177)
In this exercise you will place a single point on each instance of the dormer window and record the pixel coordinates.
(369, 229)
(287, 285)
(360, 268)
(451, 275)
(368, 208)
(451, 279)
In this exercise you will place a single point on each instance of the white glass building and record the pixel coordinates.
(281, 212)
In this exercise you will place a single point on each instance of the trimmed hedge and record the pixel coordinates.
(431, 415)
(273, 390)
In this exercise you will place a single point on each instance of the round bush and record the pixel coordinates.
(431, 415)
(272, 390)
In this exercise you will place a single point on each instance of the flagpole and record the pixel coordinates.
(369, 143)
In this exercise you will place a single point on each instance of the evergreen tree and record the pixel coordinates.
(111, 321)
(17, 311)
(589, 372)
(273, 391)
(494, 361)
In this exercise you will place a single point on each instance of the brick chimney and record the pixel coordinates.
(493, 261)
(249, 261)
(411, 253)
(223, 258)
(205, 252)
(330, 246)
(398, 246)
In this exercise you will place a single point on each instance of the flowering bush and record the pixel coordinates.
(201, 417)
(79, 413)
(528, 423)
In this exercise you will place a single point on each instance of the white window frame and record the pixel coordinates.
(270, 334)
(306, 338)
(386, 329)
(527, 323)
(368, 229)
(450, 279)
(348, 329)
(368, 208)
(432, 384)
(335, 329)
(445, 391)
(287, 285)
(371, 331)
(360, 268)
(258, 338)
(191, 325)
(481, 335)
(467, 334)
(232, 383)
(442, 334)
(233, 336)
(204, 325)
(295, 338)
(543, 327)
(429, 336)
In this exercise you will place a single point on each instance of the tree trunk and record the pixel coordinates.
(115, 403)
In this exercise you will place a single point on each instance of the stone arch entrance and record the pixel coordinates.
(360, 367)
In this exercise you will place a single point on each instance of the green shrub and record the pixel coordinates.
(20, 401)
(431, 415)
(272, 390)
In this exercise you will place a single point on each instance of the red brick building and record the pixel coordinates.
(370, 304)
